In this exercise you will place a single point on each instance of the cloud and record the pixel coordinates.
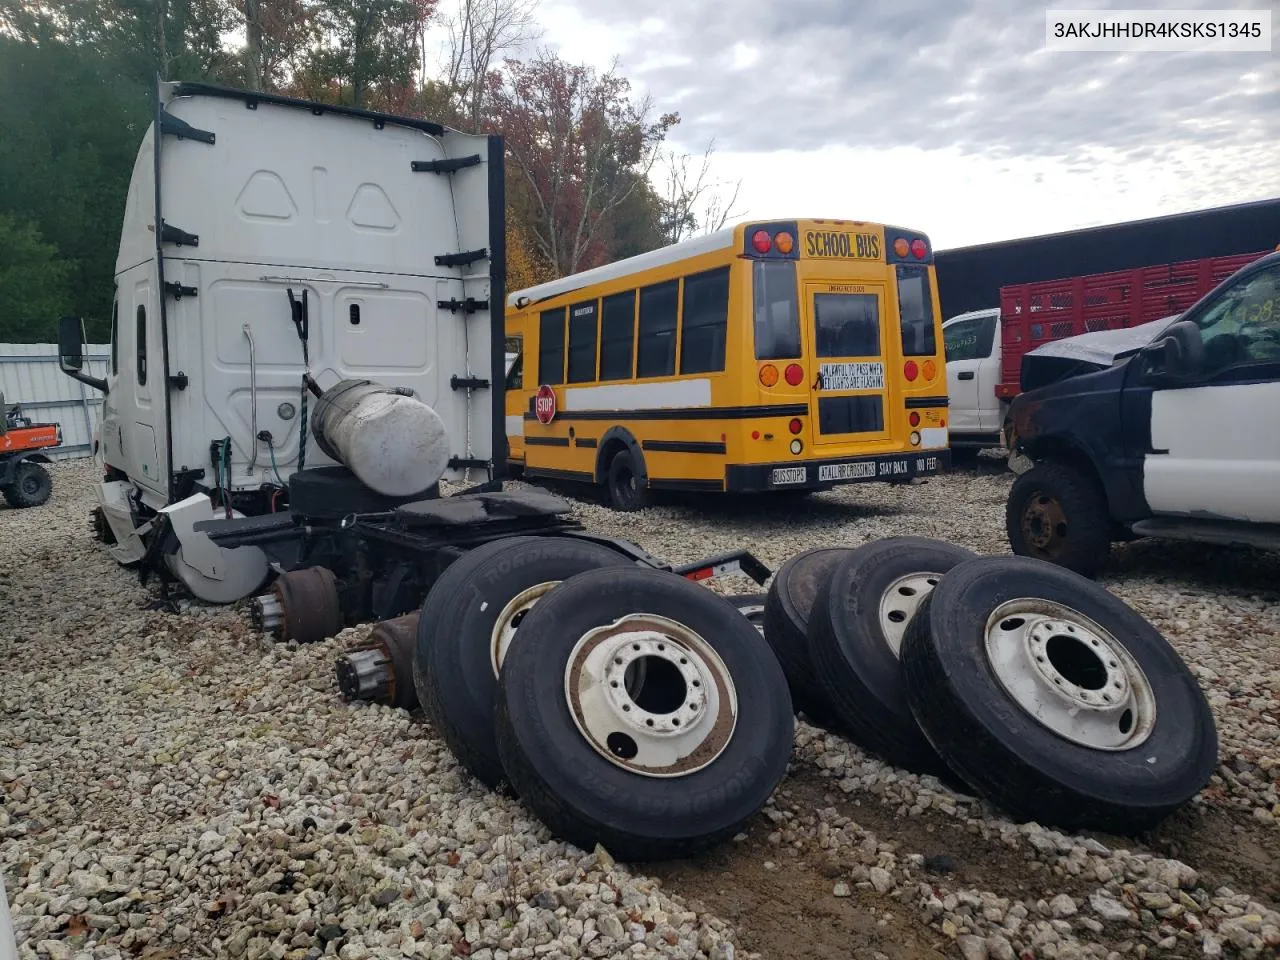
(968, 77)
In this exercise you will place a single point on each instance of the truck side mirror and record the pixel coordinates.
(1177, 355)
(71, 353)
(70, 344)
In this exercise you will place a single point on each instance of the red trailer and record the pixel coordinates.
(1032, 314)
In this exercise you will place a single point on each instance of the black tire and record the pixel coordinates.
(751, 606)
(1059, 514)
(787, 609)
(1015, 760)
(586, 798)
(853, 658)
(31, 485)
(623, 484)
(453, 667)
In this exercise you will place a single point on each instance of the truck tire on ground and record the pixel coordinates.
(469, 619)
(640, 712)
(786, 622)
(624, 485)
(1059, 514)
(31, 485)
(751, 606)
(1054, 699)
(855, 633)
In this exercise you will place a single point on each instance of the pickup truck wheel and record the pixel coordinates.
(640, 711)
(469, 621)
(855, 633)
(1059, 514)
(31, 485)
(1054, 699)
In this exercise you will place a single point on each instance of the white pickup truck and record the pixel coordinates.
(973, 370)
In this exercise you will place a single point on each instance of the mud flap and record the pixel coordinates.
(212, 573)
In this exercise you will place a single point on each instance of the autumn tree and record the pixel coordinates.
(581, 148)
(480, 33)
(278, 34)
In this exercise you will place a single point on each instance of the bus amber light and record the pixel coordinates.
(768, 374)
(794, 374)
(784, 242)
(760, 240)
(930, 369)
(910, 370)
(901, 247)
(919, 249)
(795, 426)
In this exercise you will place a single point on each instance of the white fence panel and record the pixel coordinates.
(29, 376)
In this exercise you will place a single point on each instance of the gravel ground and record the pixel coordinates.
(179, 786)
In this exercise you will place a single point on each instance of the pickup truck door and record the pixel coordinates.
(973, 365)
(1215, 441)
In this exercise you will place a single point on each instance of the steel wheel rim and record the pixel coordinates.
(509, 620)
(1044, 522)
(899, 602)
(680, 715)
(754, 612)
(1070, 674)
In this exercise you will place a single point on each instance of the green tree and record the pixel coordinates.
(374, 51)
(35, 287)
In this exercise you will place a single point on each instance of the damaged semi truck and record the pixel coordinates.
(306, 339)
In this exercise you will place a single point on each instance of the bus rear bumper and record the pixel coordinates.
(824, 474)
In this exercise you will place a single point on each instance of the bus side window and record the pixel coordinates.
(617, 332)
(551, 346)
(777, 310)
(657, 349)
(582, 342)
(705, 320)
(515, 365)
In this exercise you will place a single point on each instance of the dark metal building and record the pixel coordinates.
(970, 278)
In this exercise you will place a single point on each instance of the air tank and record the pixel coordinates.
(394, 443)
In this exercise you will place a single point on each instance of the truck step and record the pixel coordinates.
(1228, 533)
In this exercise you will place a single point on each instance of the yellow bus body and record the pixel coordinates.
(776, 355)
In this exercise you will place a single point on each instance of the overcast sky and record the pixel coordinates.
(946, 115)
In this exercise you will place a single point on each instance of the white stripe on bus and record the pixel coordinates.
(639, 396)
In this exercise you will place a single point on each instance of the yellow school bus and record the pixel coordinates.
(780, 355)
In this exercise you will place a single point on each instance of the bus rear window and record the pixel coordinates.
(777, 310)
(915, 310)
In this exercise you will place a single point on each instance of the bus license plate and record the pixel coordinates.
(847, 471)
(785, 475)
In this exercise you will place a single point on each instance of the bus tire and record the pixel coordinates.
(855, 633)
(610, 766)
(626, 484)
(1059, 514)
(1054, 699)
(468, 620)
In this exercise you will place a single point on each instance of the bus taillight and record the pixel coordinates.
(930, 369)
(794, 373)
(768, 374)
(796, 425)
(761, 241)
(910, 370)
(914, 418)
(918, 249)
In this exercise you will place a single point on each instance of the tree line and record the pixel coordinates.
(591, 174)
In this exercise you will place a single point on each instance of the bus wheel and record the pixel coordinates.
(625, 487)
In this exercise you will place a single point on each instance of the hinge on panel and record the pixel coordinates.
(469, 305)
(172, 234)
(179, 380)
(456, 462)
(447, 165)
(179, 290)
(177, 127)
(461, 259)
(468, 383)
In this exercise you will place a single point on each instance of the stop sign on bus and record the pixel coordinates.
(544, 404)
